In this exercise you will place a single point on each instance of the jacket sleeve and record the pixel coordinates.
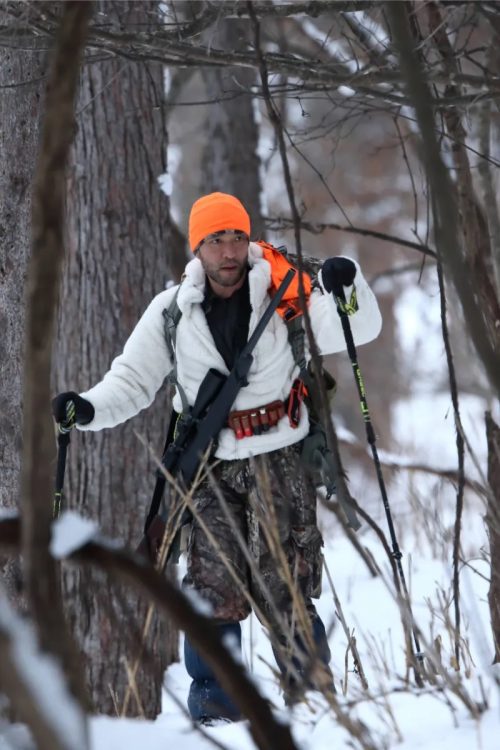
(366, 322)
(135, 376)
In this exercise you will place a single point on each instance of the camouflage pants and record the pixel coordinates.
(270, 504)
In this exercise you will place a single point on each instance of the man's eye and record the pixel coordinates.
(215, 241)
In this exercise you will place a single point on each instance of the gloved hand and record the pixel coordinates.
(337, 273)
(83, 412)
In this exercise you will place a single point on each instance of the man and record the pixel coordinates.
(256, 489)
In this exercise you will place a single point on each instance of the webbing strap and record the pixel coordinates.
(296, 339)
(171, 318)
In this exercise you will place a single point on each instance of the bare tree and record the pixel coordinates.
(42, 579)
(119, 245)
(230, 161)
(493, 524)
(22, 79)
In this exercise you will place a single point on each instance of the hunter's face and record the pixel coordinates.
(224, 257)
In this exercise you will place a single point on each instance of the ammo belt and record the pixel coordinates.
(260, 419)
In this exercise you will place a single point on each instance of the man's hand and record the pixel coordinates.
(337, 273)
(69, 409)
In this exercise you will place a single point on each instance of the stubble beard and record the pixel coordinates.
(225, 278)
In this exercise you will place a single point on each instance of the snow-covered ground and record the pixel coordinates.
(396, 713)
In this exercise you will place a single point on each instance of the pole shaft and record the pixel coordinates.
(370, 433)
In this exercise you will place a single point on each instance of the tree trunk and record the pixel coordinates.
(21, 83)
(37, 483)
(117, 261)
(493, 526)
(230, 162)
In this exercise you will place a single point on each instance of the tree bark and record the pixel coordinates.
(42, 576)
(493, 526)
(462, 265)
(21, 81)
(230, 162)
(118, 260)
(472, 216)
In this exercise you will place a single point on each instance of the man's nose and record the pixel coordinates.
(229, 248)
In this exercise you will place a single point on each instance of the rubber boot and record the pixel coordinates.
(207, 701)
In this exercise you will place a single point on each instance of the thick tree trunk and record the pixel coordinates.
(230, 161)
(473, 222)
(41, 572)
(117, 262)
(21, 84)
(493, 526)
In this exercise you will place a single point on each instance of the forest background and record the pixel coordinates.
(361, 128)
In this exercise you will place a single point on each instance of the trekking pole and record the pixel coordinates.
(345, 309)
(63, 439)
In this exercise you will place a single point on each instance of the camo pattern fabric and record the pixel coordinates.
(268, 503)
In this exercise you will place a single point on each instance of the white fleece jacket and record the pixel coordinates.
(136, 375)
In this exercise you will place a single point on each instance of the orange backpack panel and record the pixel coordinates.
(289, 306)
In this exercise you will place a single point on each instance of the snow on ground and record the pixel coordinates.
(397, 714)
(40, 677)
(400, 715)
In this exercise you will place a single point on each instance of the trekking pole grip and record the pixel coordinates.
(63, 440)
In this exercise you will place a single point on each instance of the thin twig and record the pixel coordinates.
(461, 462)
(351, 641)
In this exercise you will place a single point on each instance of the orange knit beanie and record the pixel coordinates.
(214, 213)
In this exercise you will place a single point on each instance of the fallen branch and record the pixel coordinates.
(132, 569)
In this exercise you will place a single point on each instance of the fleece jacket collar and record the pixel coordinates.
(192, 288)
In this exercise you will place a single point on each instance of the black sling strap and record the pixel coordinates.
(160, 477)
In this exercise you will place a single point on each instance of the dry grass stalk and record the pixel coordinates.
(351, 641)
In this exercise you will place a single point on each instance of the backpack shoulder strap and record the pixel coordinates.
(296, 339)
(295, 328)
(171, 317)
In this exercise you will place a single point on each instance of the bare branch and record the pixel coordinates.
(461, 463)
(174, 48)
(281, 223)
(489, 193)
(493, 524)
(446, 218)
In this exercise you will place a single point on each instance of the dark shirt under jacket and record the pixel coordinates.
(228, 320)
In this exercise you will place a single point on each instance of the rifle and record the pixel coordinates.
(196, 431)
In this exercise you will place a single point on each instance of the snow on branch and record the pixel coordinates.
(36, 686)
(70, 532)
